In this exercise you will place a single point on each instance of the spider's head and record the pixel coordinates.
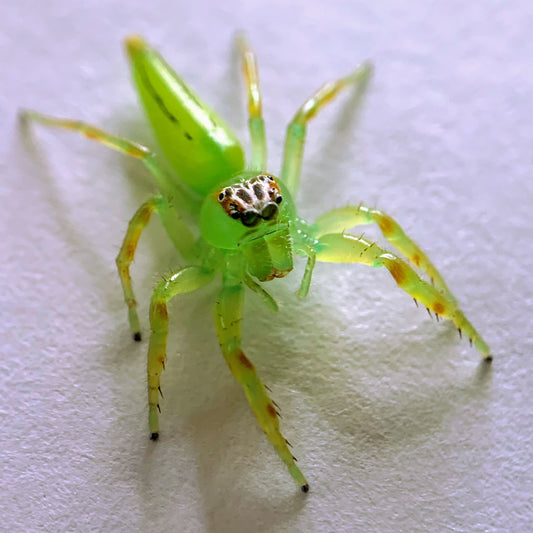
(245, 207)
(252, 200)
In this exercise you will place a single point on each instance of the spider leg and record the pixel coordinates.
(187, 279)
(262, 293)
(344, 218)
(126, 147)
(297, 129)
(256, 123)
(177, 231)
(345, 248)
(228, 318)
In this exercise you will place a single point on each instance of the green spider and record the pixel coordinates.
(248, 224)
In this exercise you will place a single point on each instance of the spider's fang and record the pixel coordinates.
(137, 336)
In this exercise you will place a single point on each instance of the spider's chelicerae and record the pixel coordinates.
(249, 226)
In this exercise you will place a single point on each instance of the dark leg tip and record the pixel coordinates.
(305, 488)
(488, 359)
(154, 436)
(137, 336)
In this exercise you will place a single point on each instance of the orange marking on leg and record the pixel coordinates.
(145, 214)
(272, 410)
(245, 361)
(91, 135)
(130, 249)
(398, 272)
(161, 310)
(386, 224)
(416, 260)
(438, 308)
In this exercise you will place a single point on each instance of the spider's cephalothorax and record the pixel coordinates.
(252, 200)
(251, 214)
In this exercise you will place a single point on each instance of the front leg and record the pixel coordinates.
(345, 248)
(228, 318)
(187, 279)
(341, 219)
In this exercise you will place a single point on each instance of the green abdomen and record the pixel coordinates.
(199, 145)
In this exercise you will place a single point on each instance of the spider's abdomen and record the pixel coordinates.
(200, 146)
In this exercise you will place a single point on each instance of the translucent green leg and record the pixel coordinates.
(177, 231)
(255, 121)
(119, 144)
(228, 317)
(344, 248)
(185, 280)
(344, 218)
(296, 131)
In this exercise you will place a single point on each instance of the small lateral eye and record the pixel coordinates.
(279, 199)
(221, 196)
(270, 178)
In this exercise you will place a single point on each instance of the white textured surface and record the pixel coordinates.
(397, 424)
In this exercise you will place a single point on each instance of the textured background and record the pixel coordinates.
(397, 424)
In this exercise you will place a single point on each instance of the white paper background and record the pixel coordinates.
(396, 423)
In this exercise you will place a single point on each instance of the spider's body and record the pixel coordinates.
(248, 222)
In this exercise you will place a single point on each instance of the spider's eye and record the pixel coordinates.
(223, 194)
(279, 199)
(250, 218)
(235, 215)
(269, 211)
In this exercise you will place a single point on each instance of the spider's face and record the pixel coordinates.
(252, 200)
(244, 208)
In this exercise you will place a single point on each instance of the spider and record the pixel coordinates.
(249, 228)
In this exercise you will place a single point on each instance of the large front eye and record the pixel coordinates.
(250, 218)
